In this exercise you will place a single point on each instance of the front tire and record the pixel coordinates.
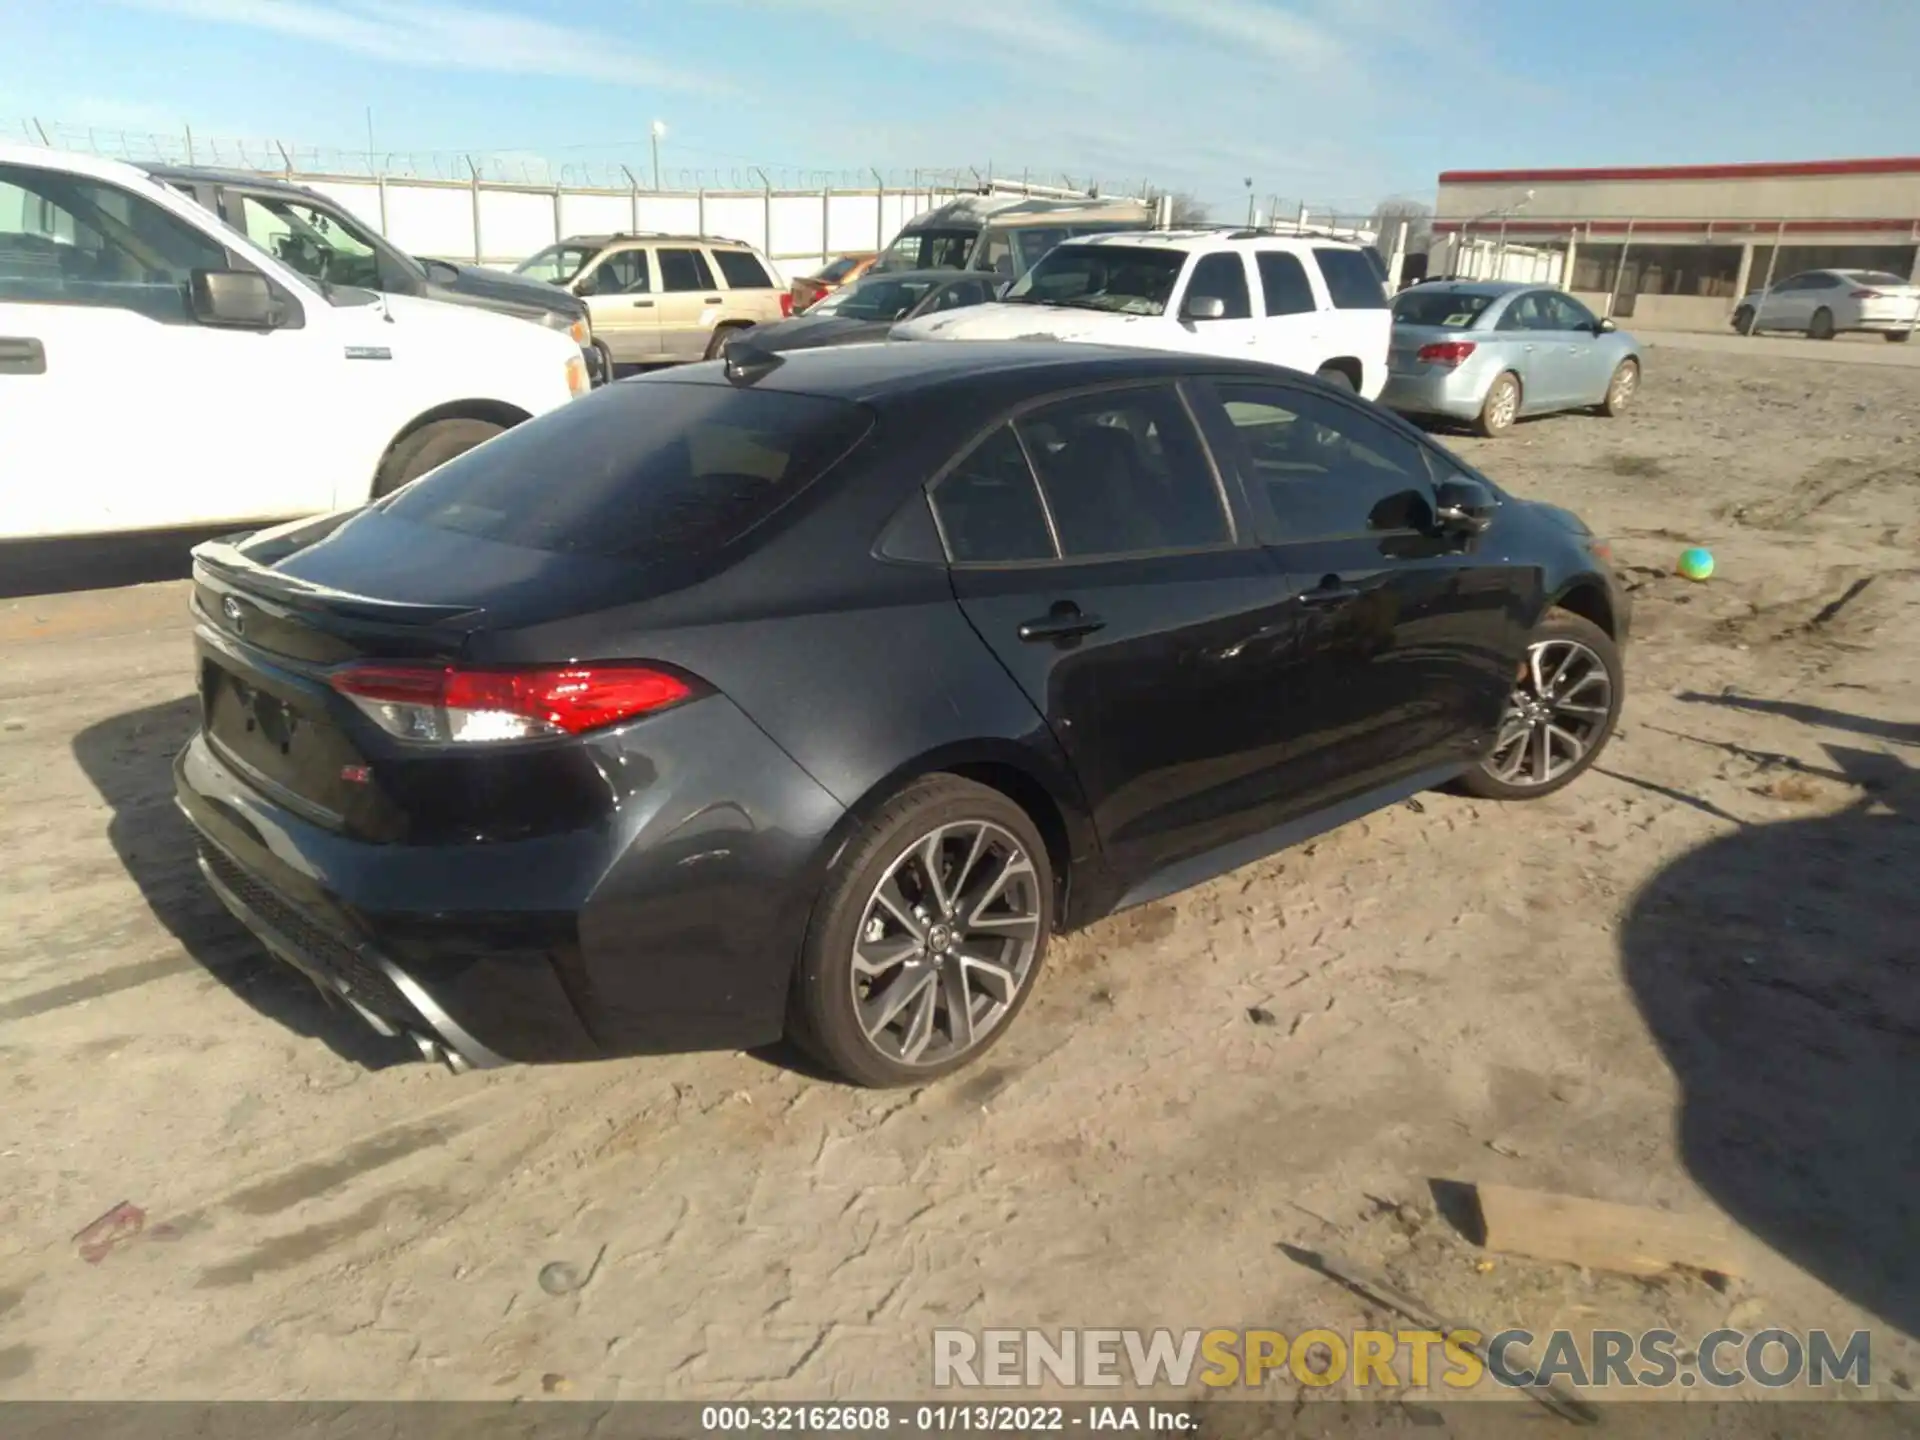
(1337, 378)
(430, 446)
(1501, 407)
(1820, 327)
(928, 936)
(1621, 389)
(1898, 337)
(721, 335)
(1563, 709)
(1743, 320)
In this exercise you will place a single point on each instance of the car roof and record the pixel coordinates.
(1211, 239)
(256, 178)
(638, 237)
(73, 162)
(888, 369)
(1491, 288)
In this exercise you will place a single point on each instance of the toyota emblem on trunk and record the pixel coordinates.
(230, 607)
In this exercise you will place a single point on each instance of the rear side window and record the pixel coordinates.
(1284, 279)
(1351, 280)
(833, 274)
(684, 270)
(743, 272)
(1223, 277)
(650, 472)
(989, 507)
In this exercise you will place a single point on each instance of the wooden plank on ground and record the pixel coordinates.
(1630, 1239)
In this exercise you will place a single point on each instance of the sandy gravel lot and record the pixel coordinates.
(1691, 981)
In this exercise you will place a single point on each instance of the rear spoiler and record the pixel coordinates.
(224, 564)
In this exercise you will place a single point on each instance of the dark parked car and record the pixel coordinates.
(318, 236)
(811, 695)
(867, 309)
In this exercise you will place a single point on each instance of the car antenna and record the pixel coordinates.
(746, 362)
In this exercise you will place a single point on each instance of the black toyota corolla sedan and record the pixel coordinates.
(811, 695)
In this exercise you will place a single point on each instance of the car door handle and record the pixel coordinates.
(22, 355)
(1329, 595)
(1066, 621)
(711, 300)
(643, 304)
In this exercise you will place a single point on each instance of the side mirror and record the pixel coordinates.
(1000, 290)
(586, 284)
(1206, 307)
(236, 299)
(1605, 327)
(1463, 507)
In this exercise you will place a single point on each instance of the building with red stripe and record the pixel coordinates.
(1678, 245)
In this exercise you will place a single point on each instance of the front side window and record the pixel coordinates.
(557, 264)
(310, 241)
(683, 270)
(878, 298)
(1527, 312)
(1125, 279)
(929, 250)
(67, 240)
(1567, 313)
(1124, 473)
(1325, 470)
(741, 270)
(624, 272)
(1221, 277)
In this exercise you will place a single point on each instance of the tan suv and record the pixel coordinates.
(664, 298)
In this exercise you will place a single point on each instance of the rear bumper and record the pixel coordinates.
(672, 927)
(1456, 394)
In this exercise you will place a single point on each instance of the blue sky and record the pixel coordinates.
(1337, 102)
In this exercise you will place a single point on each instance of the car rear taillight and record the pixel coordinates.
(1866, 295)
(1446, 352)
(786, 304)
(444, 704)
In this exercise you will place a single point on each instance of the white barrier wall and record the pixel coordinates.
(501, 225)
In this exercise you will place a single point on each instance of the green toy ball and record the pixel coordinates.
(1696, 563)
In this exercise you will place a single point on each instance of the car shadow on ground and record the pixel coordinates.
(1778, 971)
(129, 759)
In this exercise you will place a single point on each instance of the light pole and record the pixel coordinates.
(1249, 184)
(658, 129)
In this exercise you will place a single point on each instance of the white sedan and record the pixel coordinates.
(1825, 303)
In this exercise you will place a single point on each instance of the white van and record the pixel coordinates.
(158, 370)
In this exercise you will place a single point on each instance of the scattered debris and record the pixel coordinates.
(1628, 1239)
(1413, 804)
(1368, 1286)
(119, 1225)
(560, 1278)
(1484, 1267)
(555, 1384)
(1260, 1015)
(1500, 1147)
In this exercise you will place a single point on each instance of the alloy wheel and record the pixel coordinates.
(1557, 712)
(1506, 403)
(946, 943)
(1624, 380)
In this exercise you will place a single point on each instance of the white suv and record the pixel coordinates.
(159, 370)
(1314, 305)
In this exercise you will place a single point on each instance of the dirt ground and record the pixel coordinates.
(1691, 981)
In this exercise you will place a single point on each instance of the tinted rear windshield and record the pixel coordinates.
(646, 471)
(1449, 308)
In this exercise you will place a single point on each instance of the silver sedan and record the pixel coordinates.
(1488, 352)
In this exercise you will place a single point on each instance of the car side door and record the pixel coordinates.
(1527, 346)
(1220, 276)
(1788, 305)
(95, 287)
(1294, 331)
(1587, 359)
(1407, 635)
(690, 301)
(1360, 324)
(1097, 550)
(621, 305)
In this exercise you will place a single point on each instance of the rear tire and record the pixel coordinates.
(1743, 320)
(1501, 407)
(1820, 327)
(1550, 733)
(1337, 378)
(1899, 337)
(888, 955)
(605, 352)
(430, 446)
(721, 335)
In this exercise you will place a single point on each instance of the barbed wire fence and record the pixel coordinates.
(525, 167)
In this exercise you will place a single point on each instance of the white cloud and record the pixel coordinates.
(436, 36)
